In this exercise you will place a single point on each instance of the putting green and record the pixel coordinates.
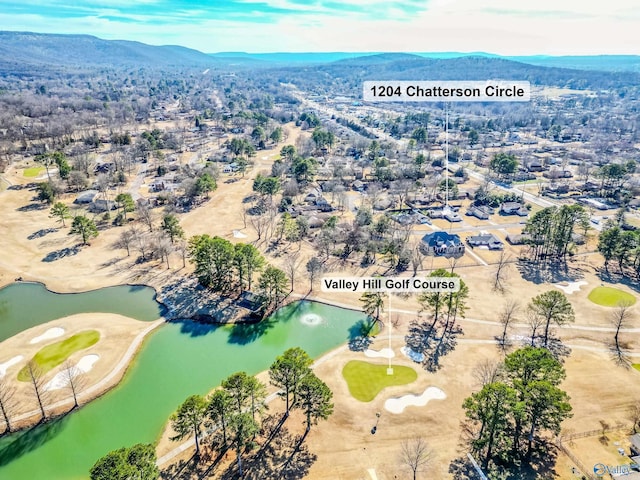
(32, 172)
(610, 297)
(366, 380)
(53, 355)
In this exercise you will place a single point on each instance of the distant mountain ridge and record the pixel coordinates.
(392, 66)
(24, 52)
(27, 48)
(612, 63)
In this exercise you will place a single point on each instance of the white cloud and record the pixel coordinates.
(496, 26)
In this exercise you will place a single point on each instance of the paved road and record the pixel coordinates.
(542, 202)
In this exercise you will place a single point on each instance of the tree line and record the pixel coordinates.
(436, 337)
(550, 231)
(622, 247)
(510, 421)
(73, 380)
(225, 267)
(231, 416)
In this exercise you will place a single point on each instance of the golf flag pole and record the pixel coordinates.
(389, 369)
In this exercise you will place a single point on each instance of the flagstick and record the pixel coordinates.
(389, 369)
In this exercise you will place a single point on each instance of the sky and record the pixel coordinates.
(505, 27)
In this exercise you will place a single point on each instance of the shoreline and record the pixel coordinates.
(103, 386)
(114, 377)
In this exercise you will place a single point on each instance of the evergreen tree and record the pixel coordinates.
(189, 419)
(273, 286)
(84, 227)
(137, 462)
(61, 211)
(213, 259)
(287, 371)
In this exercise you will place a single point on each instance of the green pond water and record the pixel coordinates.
(25, 305)
(177, 360)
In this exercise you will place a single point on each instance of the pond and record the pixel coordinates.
(177, 360)
(25, 305)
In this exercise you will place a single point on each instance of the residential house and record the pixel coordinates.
(518, 238)
(86, 197)
(513, 208)
(534, 165)
(485, 240)
(482, 212)
(442, 244)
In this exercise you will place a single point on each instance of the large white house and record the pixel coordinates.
(442, 244)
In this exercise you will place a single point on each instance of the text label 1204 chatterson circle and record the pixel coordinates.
(449, 91)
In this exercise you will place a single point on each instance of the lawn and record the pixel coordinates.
(610, 297)
(366, 380)
(53, 355)
(33, 172)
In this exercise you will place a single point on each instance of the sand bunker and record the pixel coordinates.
(9, 363)
(384, 353)
(238, 234)
(570, 287)
(417, 357)
(83, 366)
(54, 332)
(397, 405)
(312, 319)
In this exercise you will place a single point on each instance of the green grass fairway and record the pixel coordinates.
(53, 355)
(366, 380)
(33, 172)
(610, 297)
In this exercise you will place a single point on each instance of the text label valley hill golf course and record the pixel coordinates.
(391, 284)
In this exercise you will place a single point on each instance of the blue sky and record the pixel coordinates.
(508, 27)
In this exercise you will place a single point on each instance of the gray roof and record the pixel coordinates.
(440, 238)
(86, 197)
(488, 239)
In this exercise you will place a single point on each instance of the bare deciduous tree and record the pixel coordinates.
(7, 401)
(314, 268)
(501, 272)
(487, 371)
(534, 321)
(416, 455)
(183, 249)
(417, 258)
(634, 415)
(619, 319)
(145, 214)
(163, 247)
(507, 315)
(36, 378)
(291, 265)
(73, 379)
(260, 224)
(125, 240)
(141, 243)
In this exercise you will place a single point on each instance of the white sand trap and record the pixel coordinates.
(83, 366)
(397, 405)
(417, 357)
(54, 332)
(9, 363)
(238, 234)
(570, 287)
(384, 353)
